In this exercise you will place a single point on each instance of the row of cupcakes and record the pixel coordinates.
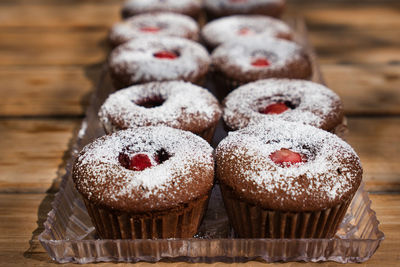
(279, 177)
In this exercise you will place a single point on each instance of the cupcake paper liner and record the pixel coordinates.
(180, 222)
(250, 221)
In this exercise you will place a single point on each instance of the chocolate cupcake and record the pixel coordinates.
(239, 62)
(221, 8)
(290, 100)
(242, 27)
(190, 8)
(154, 24)
(286, 180)
(149, 59)
(145, 183)
(175, 104)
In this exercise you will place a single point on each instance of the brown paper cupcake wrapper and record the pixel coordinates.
(224, 85)
(250, 221)
(341, 130)
(208, 133)
(177, 223)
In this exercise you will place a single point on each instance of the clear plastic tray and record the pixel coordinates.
(69, 235)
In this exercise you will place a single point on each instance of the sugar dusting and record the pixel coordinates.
(318, 178)
(226, 29)
(135, 59)
(239, 54)
(170, 24)
(101, 176)
(239, 6)
(186, 106)
(141, 6)
(314, 102)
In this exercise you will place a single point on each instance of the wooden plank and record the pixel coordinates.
(44, 91)
(63, 14)
(23, 216)
(37, 47)
(365, 89)
(377, 141)
(344, 14)
(32, 152)
(357, 46)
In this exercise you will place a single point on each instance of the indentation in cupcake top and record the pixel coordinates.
(150, 102)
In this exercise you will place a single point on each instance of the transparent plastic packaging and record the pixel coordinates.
(69, 235)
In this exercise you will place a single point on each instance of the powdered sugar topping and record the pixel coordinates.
(100, 176)
(242, 27)
(332, 170)
(236, 56)
(165, 23)
(186, 106)
(136, 59)
(312, 103)
(178, 6)
(239, 6)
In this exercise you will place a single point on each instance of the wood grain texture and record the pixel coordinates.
(365, 89)
(79, 14)
(23, 214)
(43, 47)
(377, 141)
(46, 91)
(32, 153)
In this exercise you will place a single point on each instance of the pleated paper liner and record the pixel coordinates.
(182, 222)
(250, 221)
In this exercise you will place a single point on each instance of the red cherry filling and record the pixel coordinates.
(165, 55)
(244, 31)
(276, 108)
(139, 162)
(260, 62)
(150, 29)
(286, 157)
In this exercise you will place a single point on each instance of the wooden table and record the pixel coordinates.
(50, 57)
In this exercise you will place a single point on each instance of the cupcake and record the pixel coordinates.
(154, 24)
(190, 8)
(149, 59)
(239, 62)
(290, 100)
(242, 27)
(175, 104)
(145, 183)
(221, 8)
(286, 180)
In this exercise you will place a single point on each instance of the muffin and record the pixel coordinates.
(290, 100)
(145, 183)
(242, 61)
(190, 8)
(157, 24)
(242, 27)
(286, 180)
(175, 104)
(149, 59)
(221, 8)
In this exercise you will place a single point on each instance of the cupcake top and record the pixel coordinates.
(144, 169)
(242, 27)
(157, 24)
(259, 58)
(149, 59)
(176, 104)
(220, 8)
(188, 7)
(290, 100)
(288, 166)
